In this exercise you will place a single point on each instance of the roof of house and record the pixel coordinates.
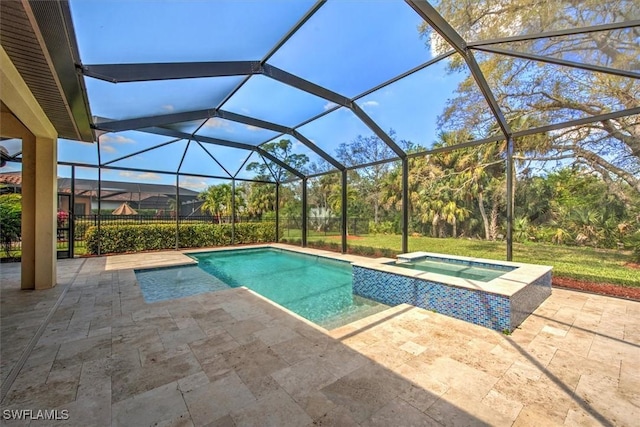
(113, 187)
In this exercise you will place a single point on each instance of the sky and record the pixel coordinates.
(347, 46)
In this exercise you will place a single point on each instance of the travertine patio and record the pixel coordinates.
(232, 358)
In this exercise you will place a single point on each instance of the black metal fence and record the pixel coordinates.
(93, 219)
(327, 226)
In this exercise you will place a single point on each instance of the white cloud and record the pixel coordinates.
(168, 108)
(329, 105)
(218, 123)
(253, 128)
(108, 141)
(143, 176)
(108, 148)
(116, 139)
(193, 183)
(370, 104)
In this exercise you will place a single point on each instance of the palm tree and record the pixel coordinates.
(216, 200)
(173, 206)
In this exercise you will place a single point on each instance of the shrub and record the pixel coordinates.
(80, 228)
(382, 227)
(635, 246)
(362, 250)
(62, 218)
(10, 220)
(143, 237)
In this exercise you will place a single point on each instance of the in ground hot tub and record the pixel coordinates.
(495, 294)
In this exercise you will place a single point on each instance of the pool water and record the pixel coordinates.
(482, 273)
(316, 288)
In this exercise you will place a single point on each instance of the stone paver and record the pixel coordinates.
(232, 358)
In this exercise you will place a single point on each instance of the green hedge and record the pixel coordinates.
(144, 237)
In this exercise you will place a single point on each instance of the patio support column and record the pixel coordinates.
(24, 118)
(72, 213)
(405, 205)
(99, 206)
(343, 209)
(304, 212)
(39, 206)
(510, 168)
(178, 211)
(277, 211)
(233, 211)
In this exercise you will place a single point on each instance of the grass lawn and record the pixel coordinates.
(584, 263)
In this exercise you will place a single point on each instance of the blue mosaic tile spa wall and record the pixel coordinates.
(529, 298)
(482, 308)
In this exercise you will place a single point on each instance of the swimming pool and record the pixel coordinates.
(316, 288)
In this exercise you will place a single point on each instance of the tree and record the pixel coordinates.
(282, 150)
(533, 94)
(217, 200)
(267, 170)
(365, 150)
(173, 206)
(261, 198)
(448, 187)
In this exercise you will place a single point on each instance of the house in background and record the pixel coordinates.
(142, 197)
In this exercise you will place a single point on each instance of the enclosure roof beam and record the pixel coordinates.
(277, 46)
(558, 61)
(304, 85)
(279, 162)
(223, 142)
(312, 10)
(439, 24)
(579, 122)
(359, 112)
(445, 149)
(250, 121)
(138, 152)
(558, 33)
(107, 125)
(118, 73)
(282, 130)
(224, 177)
(126, 73)
(406, 74)
(336, 164)
(213, 158)
(177, 134)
